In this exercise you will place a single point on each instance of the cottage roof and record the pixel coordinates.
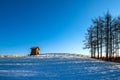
(35, 48)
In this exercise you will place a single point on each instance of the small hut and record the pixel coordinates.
(35, 51)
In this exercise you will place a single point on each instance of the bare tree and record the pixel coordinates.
(101, 25)
(104, 34)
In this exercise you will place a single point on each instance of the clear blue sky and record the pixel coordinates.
(53, 25)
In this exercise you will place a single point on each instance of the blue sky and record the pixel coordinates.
(53, 25)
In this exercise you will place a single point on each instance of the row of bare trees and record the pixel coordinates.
(103, 37)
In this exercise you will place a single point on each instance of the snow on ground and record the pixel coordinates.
(57, 67)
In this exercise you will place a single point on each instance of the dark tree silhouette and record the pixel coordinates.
(101, 25)
(104, 34)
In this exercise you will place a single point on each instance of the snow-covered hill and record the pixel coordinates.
(58, 55)
(57, 67)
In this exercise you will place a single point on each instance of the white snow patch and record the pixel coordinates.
(20, 64)
(16, 73)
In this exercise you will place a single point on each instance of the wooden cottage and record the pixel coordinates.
(35, 51)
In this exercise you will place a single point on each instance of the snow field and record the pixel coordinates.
(57, 67)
